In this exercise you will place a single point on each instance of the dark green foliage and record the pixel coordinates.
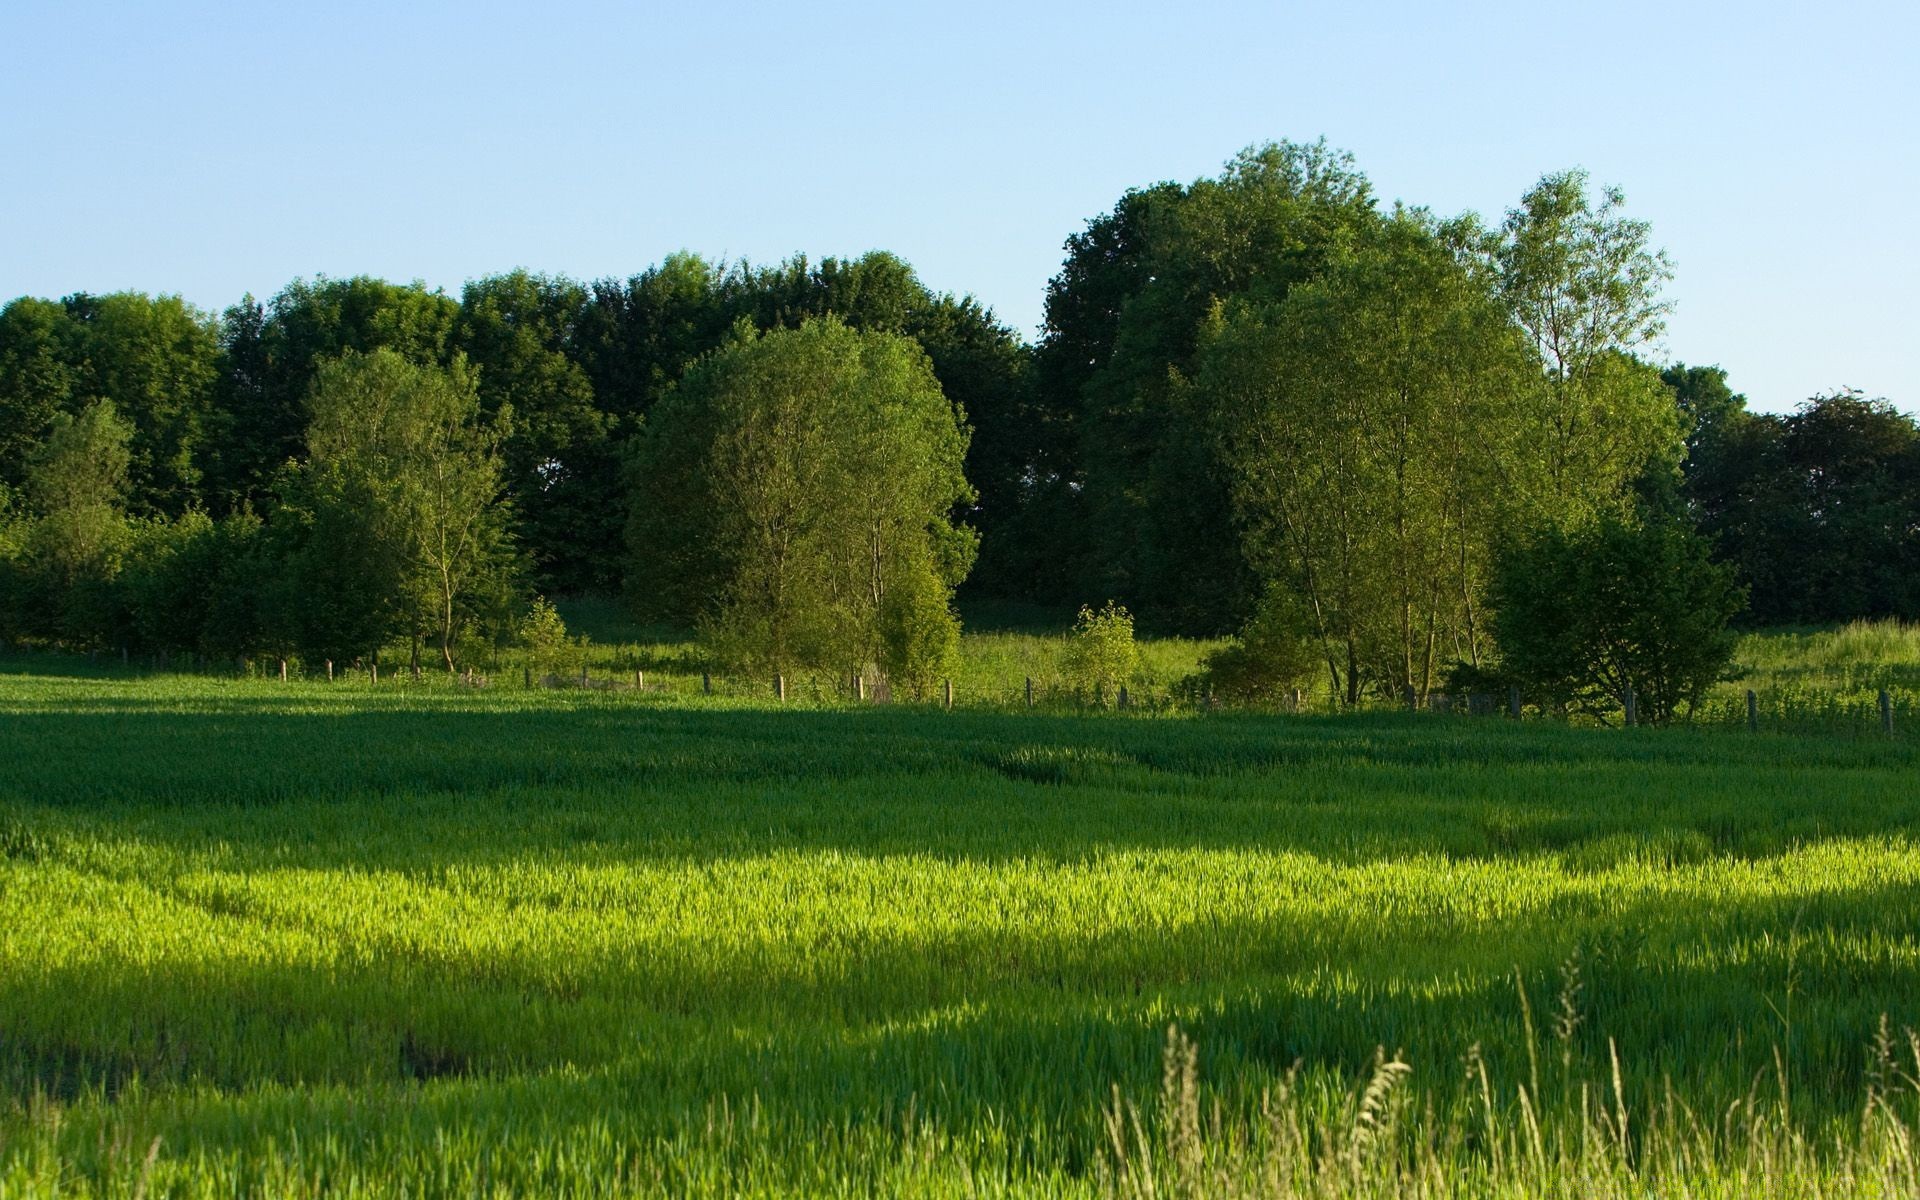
(1815, 508)
(76, 541)
(1272, 656)
(155, 358)
(201, 586)
(36, 381)
(522, 332)
(1125, 315)
(272, 354)
(1583, 615)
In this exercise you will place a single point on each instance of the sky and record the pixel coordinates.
(213, 150)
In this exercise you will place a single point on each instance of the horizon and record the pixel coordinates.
(165, 158)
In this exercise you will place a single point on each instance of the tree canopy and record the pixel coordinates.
(792, 488)
(1261, 401)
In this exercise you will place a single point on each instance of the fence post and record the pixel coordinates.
(780, 687)
(526, 677)
(1513, 702)
(1753, 712)
(583, 675)
(373, 672)
(283, 670)
(706, 684)
(329, 670)
(946, 689)
(1413, 700)
(1632, 713)
(639, 679)
(859, 686)
(1029, 691)
(1124, 698)
(1886, 712)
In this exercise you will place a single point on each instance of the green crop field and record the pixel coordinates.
(307, 938)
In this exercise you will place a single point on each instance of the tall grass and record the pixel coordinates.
(304, 939)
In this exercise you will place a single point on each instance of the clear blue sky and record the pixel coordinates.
(212, 150)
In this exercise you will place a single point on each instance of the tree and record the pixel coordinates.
(157, 359)
(195, 584)
(1584, 284)
(37, 380)
(273, 354)
(401, 460)
(1125, 318)
(1370, 423)
(76, 484)
(1584, 615)
(790, 484)
(521, 332)
(1270, 656)
(1815, 508)
(919, 633)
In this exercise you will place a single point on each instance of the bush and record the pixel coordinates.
(1267, 660)
(1581, 617)
(544, 636)
(1100, 653)
(919, 634)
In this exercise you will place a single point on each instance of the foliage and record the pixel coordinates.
(543, 634)
(201, 586)
(789, 485)
(520, 331)
(1583, 283)
(1372, 425)
(402, 491)
(1814, 507)
(1583, 617)
(76, 484)
(1100, 655)
(273, 353)
(1146, 514)
(919, 633)
(1270, 658)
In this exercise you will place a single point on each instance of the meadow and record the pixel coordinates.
(337, 938)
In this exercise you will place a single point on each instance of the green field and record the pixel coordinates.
(288, 939)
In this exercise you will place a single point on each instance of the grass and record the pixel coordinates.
(287, 939)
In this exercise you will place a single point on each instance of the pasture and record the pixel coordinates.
(265, 938)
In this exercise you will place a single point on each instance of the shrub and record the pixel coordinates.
(919, 634)
(544, 636)
(1582, 616)
(1267, 660)
(1100, 652)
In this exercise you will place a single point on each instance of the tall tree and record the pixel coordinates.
(77, 485)
(1156, 510)
(37, 380)
(401, 458)
(1369, 422)
(275, 354)
(1583, 282)
(795, 482)
(522, 332)
(157, 359)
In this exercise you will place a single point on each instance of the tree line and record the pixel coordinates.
(1260, 402)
